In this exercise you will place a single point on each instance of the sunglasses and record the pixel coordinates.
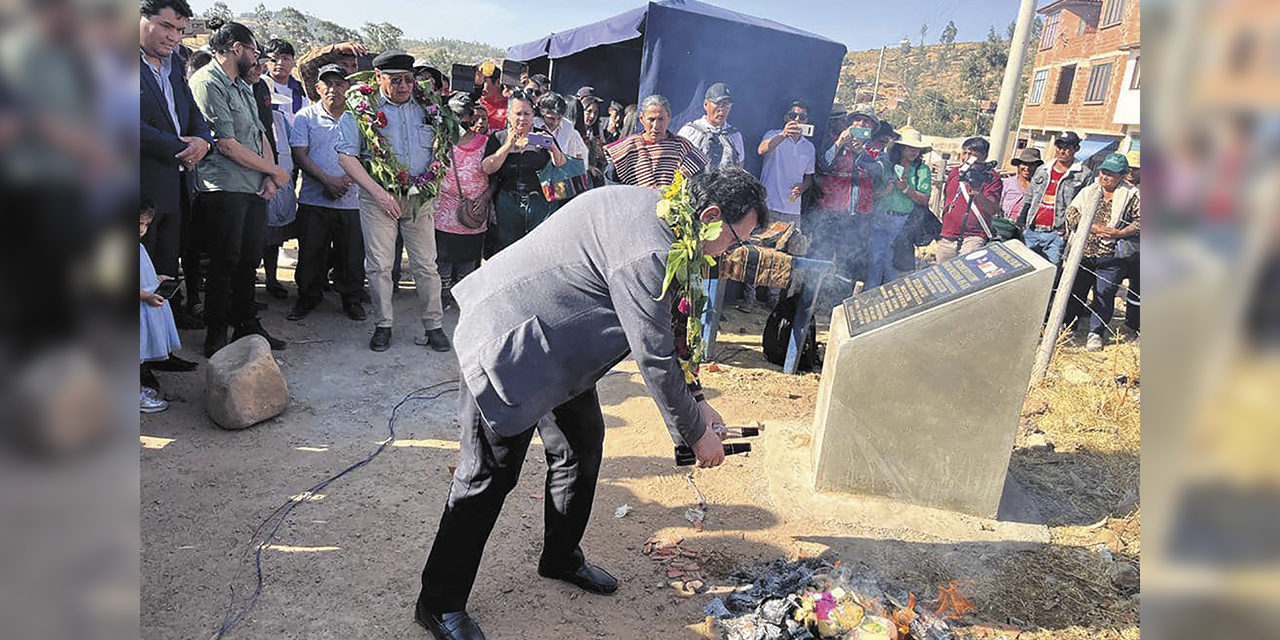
(797, 116)
(737, 240)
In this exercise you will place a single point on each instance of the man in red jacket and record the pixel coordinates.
(970, 203)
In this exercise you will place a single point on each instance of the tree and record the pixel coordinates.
(219, 10)
(948, 36)
(948, 40)
(381, 36)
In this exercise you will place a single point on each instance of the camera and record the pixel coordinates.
(978, 173)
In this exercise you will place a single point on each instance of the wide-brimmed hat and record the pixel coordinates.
(910, 137)
(1029, 155)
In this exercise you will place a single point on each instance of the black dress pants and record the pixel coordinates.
(234, 227)
(321, 228)
(488, 469)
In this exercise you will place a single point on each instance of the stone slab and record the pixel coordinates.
(785, 449)
(920, 394)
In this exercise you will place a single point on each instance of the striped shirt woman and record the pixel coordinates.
(651, 159)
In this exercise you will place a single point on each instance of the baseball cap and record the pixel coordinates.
(1115, 163)
(329, 69)
(718, 92)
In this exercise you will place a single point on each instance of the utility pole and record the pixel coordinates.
(876, 91)
(1062, 296)
(1009, 87)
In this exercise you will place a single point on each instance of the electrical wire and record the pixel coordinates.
(273, 522)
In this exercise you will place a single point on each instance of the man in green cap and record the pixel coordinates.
(1116, 216)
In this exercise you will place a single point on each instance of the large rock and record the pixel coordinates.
(925, 378)
(244, 385)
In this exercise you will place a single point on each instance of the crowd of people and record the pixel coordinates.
(243, 148)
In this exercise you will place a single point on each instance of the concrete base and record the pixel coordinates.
(786, 458)
(924, 409)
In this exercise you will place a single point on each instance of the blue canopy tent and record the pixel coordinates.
(678, 48)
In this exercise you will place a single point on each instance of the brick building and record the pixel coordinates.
(1087, 77)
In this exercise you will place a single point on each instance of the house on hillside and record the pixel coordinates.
(1087, 77)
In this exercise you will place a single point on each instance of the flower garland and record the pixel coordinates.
(685, 267)
(382, 164)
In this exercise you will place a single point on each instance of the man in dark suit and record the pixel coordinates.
(540, 324)
(174, 137)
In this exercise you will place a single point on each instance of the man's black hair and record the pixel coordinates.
(540, 80)
(276, 45)
(199, 58)
(226, 35)
(798, 102)
(734, 190)
(552, 101)
(153, 7)
(976, 144)
(146, 206)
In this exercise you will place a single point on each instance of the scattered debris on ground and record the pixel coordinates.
(818, 598)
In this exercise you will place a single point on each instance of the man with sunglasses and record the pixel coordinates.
(382, 214)
(539, 325)
(1044, 207)
(789, 158)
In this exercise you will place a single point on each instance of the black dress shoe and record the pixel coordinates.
(214, 340)
(449, 626)
(438, 340)
(300, 310)
(186, 321)
(277, 290)
(381, 340)
(354, 311)
(587, 577)
(173, 363)
(253, 327)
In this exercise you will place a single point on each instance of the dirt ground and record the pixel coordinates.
(346, 563)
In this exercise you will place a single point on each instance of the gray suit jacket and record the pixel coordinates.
(547, 317)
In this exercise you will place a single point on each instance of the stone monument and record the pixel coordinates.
(924, 380)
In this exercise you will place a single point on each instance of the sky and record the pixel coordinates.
(859, 24)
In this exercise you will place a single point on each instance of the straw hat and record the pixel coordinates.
(910, 137)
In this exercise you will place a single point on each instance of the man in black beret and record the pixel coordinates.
(385, 205)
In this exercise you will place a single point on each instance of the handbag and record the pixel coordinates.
(471, 214)
(564, 182)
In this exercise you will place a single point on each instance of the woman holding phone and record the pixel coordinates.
(514, 157)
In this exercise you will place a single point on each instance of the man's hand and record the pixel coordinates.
(351, 48)
(709, 449)
(387, 203)
(792, 129)
(281, 177)
(797, 190)
(709, 414)
(196, 150)
(336, 186)
(268, 189)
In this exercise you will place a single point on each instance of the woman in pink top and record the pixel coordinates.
(459, 247)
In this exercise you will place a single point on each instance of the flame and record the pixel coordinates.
(951, 603)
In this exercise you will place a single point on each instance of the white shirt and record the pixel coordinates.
(285, 92)
(785, 167)
(568, 138)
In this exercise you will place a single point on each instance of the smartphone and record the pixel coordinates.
(541, 140)
(806, 130)
(462, 77)
(168, 288)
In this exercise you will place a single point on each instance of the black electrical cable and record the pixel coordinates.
(233, 617)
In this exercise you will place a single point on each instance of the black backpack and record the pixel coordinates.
(777, 335)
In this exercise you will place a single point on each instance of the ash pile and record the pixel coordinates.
(816, 599)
